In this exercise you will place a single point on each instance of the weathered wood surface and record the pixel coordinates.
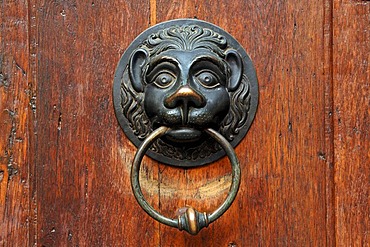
(83, 191)
(64, 161)
(351, 86)
(15, 118)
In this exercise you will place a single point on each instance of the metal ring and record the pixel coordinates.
(191, 221)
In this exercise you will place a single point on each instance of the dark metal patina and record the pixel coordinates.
(185, 92)
(188, 75)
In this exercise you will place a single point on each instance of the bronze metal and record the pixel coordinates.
(191, 220)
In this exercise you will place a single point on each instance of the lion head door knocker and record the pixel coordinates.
(185, 93)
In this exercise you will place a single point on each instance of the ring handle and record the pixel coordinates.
(191, 221)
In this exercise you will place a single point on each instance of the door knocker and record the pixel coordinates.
(185, 93)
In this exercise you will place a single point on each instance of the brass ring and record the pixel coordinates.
(191, 221)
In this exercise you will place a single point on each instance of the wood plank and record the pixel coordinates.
(84, 196)
(14, 124)
(282, 200)
(351, 55)
(328, 154)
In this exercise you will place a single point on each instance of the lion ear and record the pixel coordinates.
(137, 62)
(235, 63)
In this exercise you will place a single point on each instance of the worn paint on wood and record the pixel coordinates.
(15, 115)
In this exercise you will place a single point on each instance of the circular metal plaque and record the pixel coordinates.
(193, 74)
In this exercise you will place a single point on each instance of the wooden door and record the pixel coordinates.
(64, 161)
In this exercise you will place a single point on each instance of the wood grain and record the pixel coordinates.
(352, 121)
(65, 162)
(328, 154)
(14, 124)
(84, 196)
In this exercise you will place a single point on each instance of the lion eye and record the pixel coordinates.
(164, 80)
(208, 79)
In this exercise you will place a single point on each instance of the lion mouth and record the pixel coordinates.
(183, 134)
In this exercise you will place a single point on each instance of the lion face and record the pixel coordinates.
(186, 75)
(187, 91)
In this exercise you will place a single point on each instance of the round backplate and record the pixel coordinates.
(129, 101)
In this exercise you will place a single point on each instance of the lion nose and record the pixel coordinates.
(185, 97)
